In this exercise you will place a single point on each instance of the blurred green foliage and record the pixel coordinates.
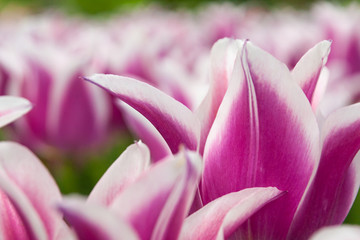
(79, 174)
(106, 7)
(354, 216)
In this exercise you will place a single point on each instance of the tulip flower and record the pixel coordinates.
(68, 114)
(27, 191)
(258, 130)
(154, 201)
(28, 194)
(135, 201)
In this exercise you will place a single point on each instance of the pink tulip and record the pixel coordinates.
(28, 194)
(132, 201)
(258, 130)
(27, 191)
(68, 114)
(153, 202)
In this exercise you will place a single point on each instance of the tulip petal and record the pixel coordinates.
(125, 170)
(76, 124)
(265, 134)
(223, 55)
(307, 71)
(146, 132)
(34, 188)
(12, 108)
(176, 123)
(159, 201)
(337, 180)
(347, 232)
(37, 77)
(224, 215)
(19, 219)
(94, 222)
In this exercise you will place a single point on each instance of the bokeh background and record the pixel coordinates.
(108, 7)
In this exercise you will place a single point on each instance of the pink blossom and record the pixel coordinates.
(256, 128)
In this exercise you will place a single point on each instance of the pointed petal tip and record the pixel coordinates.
(325, 47)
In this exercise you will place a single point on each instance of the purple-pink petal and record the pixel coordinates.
(19, 219)
(146, 132)
(307, 71)
(223, 55)
(34, 191)
(77, 124)
(221, 217)
(159, 201)
(175, 122)
(337, 180)
(265, 134)
(94, 222)
(124, 171)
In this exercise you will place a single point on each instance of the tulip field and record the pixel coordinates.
(221, 121)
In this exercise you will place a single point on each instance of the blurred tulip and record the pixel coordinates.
(28, 194)
(68, 113)
(27, 191)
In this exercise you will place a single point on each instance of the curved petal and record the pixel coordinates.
(265, 134)
(307, 71)
(223, 55)
(337, 179)
(77, 123)
(35, 78)
(19, 219)
(12, 108)
(94, 222)
(125, 170)
(221, 217)
(35, 185)
(159, 201)
(146, 132)
(176, 123)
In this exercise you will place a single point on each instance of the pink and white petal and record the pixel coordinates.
(36, 77)
(94, 222)
(146, 132)
(77, 124)
(343, 232)
(337, 180)
(124, 171)
(11, 224)
(307, 71)
(19, 219)
(178, 204)
(223, 55)
(27, 172)
(220, 218)
(320, 89)
(159, 201)
(176, 123)
(12, 108)
(265, 134)
(65, 232)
